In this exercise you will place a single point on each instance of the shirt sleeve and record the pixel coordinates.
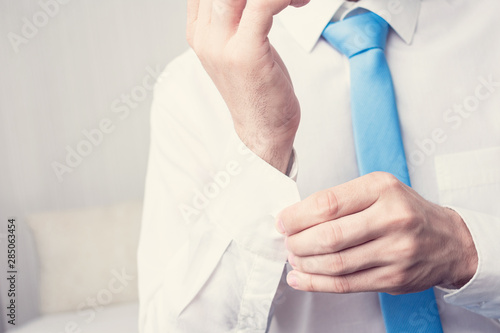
(481, 294)
(210, 259)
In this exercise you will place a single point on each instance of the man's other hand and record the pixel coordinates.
(375, 234)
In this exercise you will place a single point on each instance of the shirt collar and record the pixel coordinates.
(307, 23)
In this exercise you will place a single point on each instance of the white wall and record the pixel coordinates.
(65, 77)
(64, 80)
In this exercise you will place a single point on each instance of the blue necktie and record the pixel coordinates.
(378, 143)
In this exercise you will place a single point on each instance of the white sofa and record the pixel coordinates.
(117, 318)
(85, 272)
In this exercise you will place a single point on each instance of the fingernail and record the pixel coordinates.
(280, 227)
(292, 281)
(291, 259)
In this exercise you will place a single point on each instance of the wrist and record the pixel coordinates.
(466, 262)
(276, 151)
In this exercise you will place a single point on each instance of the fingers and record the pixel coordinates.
(378, 279)
(205, 13)
(192, 10)
(192, 16)
(199, 14)
(343, 262)
(225, 17)
(333, 203)
(257, 17)
(336, 235)
(362, 246)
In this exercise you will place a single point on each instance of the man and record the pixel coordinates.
(222, 208)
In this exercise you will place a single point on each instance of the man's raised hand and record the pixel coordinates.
(230, 38)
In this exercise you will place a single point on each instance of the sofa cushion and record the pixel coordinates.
(87, 257)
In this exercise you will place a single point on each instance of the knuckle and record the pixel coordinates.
(337, 264)
(311, 285)
(341, 285)
(398, 280)
(389, 181)
(408, 218)
(403, 216)
(391, 282)
(298, 264)
(376, 176)
(291, 245)
(408, 249)
(310, 265)
(327, 204)
(332, 236)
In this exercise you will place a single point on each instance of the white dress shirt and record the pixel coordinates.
(210, 259)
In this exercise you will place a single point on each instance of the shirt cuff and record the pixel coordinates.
(482, 293)
(247, 207)
(293, 166)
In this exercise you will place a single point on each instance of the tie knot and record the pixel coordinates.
(357, 33)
